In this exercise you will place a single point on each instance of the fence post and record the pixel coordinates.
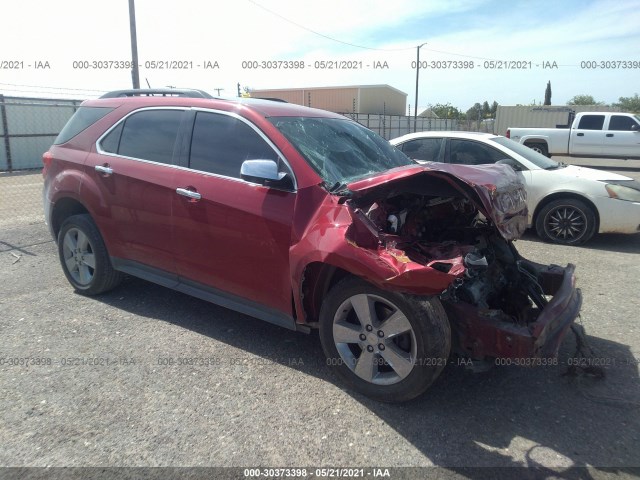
(5, 132)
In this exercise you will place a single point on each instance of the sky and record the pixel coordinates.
(476, 50)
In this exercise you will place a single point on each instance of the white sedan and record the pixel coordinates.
(567, 204)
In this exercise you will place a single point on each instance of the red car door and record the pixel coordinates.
(232, 236)
(134, 173)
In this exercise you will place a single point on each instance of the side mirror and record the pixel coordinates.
(634, 127)
(265, 172)
(512, 163)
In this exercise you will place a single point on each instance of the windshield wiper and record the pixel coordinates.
(337, 188)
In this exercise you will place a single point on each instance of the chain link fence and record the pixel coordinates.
(392, 126)
(28, 127)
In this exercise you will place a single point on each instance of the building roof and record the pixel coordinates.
(328, 88)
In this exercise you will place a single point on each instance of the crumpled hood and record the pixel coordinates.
(496, 190)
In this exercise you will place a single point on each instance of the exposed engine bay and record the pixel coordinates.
(447, 233)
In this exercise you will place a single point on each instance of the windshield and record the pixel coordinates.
(340, 150)
(534, 157)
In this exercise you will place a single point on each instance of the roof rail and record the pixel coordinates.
(152, 92)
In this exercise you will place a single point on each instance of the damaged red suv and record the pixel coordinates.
(307, 220)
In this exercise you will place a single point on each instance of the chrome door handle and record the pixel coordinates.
(104, 169)
(188, 193)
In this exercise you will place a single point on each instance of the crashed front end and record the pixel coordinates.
(447, 230)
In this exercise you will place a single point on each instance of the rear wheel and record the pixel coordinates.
(539, 147)
(566, 221)
(385, 345)
(84, 257)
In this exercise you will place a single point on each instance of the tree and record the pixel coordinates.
(547, 94)
(475, 112)
(584, 100)
(629, 104)
(445, 110)
(486, 109)
(494, 108)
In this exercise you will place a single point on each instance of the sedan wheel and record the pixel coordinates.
(383, 344)
(566, 221)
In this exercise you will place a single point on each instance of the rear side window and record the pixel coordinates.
(591, 122)
(81, 120)
(147, 135)
(423, 149)
(221, 143)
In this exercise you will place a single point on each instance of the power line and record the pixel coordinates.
(327, 36)
(361, 46)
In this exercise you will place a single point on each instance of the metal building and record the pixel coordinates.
(368, 99)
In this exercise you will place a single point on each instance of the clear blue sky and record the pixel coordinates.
(229, 32)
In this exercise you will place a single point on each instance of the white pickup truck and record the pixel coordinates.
(591, 134)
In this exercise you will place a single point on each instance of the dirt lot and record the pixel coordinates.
(145, 376)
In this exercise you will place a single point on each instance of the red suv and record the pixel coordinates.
(305, 219)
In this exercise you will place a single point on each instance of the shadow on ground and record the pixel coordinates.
(465, 418)
(613, 242)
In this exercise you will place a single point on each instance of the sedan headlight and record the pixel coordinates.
(623, 193)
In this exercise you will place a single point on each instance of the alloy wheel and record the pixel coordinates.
(374, 339)
(79, 256)
(565, 223)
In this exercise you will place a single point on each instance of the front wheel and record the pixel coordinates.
(386, 345)
(84, 256)
(566, 221)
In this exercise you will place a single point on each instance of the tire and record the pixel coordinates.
(539, 147)
(418, 342)
(566, 221)
(84, 257)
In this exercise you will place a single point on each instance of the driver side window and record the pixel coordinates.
(426, 149)
(467, 152)
(220, 143)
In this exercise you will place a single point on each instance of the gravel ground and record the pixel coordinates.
(181, 382)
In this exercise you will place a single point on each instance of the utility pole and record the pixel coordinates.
(135, 73)
(415, 107)
(218, 90)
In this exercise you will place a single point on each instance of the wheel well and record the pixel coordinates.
(556, 196)
(63, 209)
(534, 141)
(318, 279)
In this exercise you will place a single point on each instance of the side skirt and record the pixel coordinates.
(205, 292)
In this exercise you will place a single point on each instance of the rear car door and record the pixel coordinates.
(232, 237)
(588, 137)
(134, 170)
(622, 137)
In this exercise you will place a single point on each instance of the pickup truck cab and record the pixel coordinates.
(591, 134)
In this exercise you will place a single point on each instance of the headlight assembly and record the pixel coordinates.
(623, 193)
